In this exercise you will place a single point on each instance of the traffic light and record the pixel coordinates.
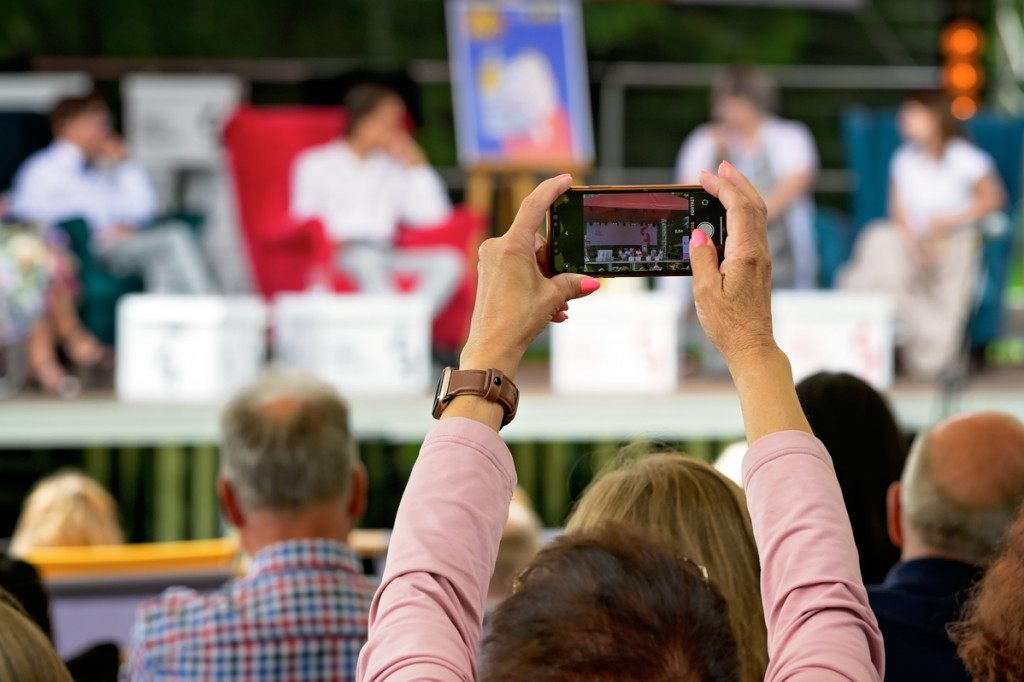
(962, 44)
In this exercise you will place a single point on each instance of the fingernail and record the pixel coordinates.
(565, 308)
(698, 238)
(563, 175)
(727, 164)
(704, 172)
(590, 285)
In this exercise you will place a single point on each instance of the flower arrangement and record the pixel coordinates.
(27, 265)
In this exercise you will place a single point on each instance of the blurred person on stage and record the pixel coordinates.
(689, 505)
(365, 185)
(927, 253)
(292, 486)
(86, 173)
(67, 509)
(780, 158)
(868, 450)
(960, 491)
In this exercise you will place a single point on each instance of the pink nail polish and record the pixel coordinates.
(589, 285)
(563, 175)
(698, 238)
(727, 164)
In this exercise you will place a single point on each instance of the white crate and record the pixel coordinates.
(188, 348)
(836, 331)
(617, 343)
(40, 91)
(360, 343)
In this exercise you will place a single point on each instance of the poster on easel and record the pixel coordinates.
(519, 80)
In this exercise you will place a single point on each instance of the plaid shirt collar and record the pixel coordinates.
(305, 553)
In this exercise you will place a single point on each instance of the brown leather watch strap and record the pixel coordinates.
(489, 384)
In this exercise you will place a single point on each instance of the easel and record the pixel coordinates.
(510, 184)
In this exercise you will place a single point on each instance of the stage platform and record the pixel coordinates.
(703, 408)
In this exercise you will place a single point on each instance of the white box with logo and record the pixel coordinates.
(617, 343)
(836, 331)
(362, 344)
(188, 348)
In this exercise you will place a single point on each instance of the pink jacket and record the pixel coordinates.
(426, 615)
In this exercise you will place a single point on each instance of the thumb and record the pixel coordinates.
(572, 286)
(704, 263)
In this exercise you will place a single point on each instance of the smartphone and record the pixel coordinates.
(631, 231)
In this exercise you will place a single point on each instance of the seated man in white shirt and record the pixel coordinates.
(368, 183)
(86, 173)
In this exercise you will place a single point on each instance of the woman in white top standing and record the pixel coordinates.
(778, 156)
(927, 251)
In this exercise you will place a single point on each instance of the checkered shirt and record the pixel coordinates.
(300, 613)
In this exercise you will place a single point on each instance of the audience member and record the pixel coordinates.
(619, 582)
(292, 485)
(367, 184)
(990, 638)
(425, 618)
(926, 253)
(520, 542)
(687, 504)
(67, 509)
(961, 489)
(26, 655)
(868, 450)
(780, 158)
(86, 173)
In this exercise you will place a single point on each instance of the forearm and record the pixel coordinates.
(425, 622)
(782, 196)
(764, 381)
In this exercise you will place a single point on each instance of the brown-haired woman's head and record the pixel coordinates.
(990, 634)
(926, 119)
(691, 506)
(68, 509)
(611, 603)
(26, 654)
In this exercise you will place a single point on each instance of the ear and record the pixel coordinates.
(894, 513)
(229, 504)
(357, 499)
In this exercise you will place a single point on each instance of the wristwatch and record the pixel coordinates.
(489, 384)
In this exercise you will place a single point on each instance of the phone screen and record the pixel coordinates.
(631, 231)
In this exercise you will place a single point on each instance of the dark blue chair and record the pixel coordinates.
(869, 140)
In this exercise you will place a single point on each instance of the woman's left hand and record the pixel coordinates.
(515, 297)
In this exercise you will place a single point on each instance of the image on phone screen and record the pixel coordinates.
(631, 231)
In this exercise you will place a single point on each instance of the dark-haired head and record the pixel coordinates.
(926, 118)
(611, 604)
(369, 104)
(868, 451)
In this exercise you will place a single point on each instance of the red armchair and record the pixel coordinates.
(290, 255)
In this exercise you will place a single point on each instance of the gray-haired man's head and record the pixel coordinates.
(963, 484)
(286, 443)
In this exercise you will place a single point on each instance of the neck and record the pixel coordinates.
(935, 148)
(71, 141)
(361, 147)
(323, 520)
(914, 548)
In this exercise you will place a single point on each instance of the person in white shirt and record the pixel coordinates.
(364, 186)
(927, 252)
(779, 157)
(86, 173)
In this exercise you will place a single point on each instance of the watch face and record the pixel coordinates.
(442, 389)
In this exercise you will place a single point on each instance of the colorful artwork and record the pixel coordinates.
(519, 79)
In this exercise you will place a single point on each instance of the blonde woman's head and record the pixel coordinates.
(68, 509)
(691, 506)
(26, 654)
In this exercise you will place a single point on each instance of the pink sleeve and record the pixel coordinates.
(820, 626)
(426, 617)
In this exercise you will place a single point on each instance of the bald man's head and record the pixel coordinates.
(963, 483)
